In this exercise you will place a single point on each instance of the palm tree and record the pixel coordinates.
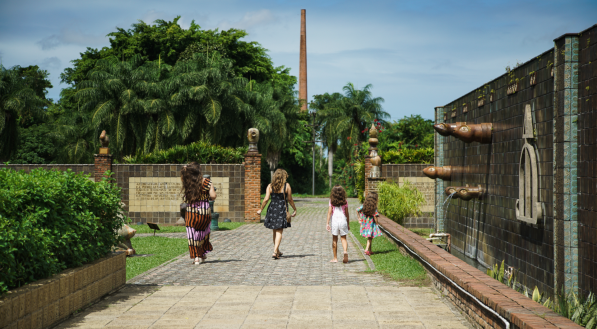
(346, 117)
(326, 119)
(16, 100)
(113, 97)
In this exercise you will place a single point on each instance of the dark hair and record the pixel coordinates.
(338, 196)
(190, 175)
(370, 204)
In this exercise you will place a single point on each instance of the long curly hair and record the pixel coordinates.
(338, 196)
(279, 180)
(370, 204)
(191, 178)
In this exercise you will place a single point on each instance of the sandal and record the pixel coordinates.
(345, 260)
(275, 256)
(280, 254)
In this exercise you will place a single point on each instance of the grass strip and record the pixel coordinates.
(178, 229)
(162, 248)
(390, 261)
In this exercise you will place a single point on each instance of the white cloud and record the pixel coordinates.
(250, 19)
(69, 36)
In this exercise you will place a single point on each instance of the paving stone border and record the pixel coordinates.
(520, 311)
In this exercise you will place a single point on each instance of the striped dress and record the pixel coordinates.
(198, 220)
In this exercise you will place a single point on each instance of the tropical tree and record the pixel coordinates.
(18, 102)
(346, 118)
(329, 135)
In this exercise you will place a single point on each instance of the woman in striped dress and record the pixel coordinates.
(197, 192)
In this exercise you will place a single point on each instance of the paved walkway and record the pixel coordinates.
(241, 286)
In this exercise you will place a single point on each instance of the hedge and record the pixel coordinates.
(53, 220)
(201, 152)
(406, 155)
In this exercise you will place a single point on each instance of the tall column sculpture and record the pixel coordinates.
(303, 63)
(252, 178)
(373, 163)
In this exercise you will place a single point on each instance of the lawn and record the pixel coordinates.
(390, 261)
(177, 229)
(422, 232)
(163, 250)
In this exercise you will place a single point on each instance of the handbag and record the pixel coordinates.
(288, 216)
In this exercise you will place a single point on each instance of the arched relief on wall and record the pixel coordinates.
(528, 207)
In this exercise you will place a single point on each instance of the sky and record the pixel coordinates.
(416, 54)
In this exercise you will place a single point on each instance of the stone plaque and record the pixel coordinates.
(162, 194)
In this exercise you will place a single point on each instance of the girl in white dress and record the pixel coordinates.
(338, 213)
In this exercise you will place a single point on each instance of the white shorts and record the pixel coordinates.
(339, 228)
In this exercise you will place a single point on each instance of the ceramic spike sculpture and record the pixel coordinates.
(465, 192)
(444, 172)
(474, 132)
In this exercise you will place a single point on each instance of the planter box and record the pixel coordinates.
(44, 303)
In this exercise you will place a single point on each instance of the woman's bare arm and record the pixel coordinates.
(212, 192)
(290, 200)
(327, 225)
(347, 217)
(268, 191)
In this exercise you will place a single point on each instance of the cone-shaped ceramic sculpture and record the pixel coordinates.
(465, 192)
(444, 172)
(474, 132)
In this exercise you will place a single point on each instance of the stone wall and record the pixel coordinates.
(151, 193)
(587, 160)
(487, 230)
(413, 173)
(559, 251)
(43, 303)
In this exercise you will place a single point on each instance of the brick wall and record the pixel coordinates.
(103, 163)
(252, 186)
(587, 160)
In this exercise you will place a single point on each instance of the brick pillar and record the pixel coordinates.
(367, 172)
(103, 163)
(252, 186)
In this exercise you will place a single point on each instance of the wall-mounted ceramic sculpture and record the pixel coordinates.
(444, 172)
(474, 132)
(465, 192)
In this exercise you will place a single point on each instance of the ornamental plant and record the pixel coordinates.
(408, 155)
(397, 202)
(53, 220)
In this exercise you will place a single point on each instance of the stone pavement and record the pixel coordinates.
(242, 286)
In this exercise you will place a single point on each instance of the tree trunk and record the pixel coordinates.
(272, 160)
(330, 165)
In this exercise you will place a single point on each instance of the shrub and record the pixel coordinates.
(397, 202)
(359, 170)
(51, 221)
(201, 152)
(407, 155)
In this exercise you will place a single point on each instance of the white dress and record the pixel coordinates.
(339, 224)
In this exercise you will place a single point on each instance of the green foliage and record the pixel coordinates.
(359, 170)
(52, 220)
(35, 146)
(18, 103)
(406, 155)
(390, 261)
(408, 132)
(201, 152)
(397, 202)
(582, 311)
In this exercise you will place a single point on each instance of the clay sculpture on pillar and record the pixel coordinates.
(253, 136)
(465, 192)
(444, 172)
(475, 132)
